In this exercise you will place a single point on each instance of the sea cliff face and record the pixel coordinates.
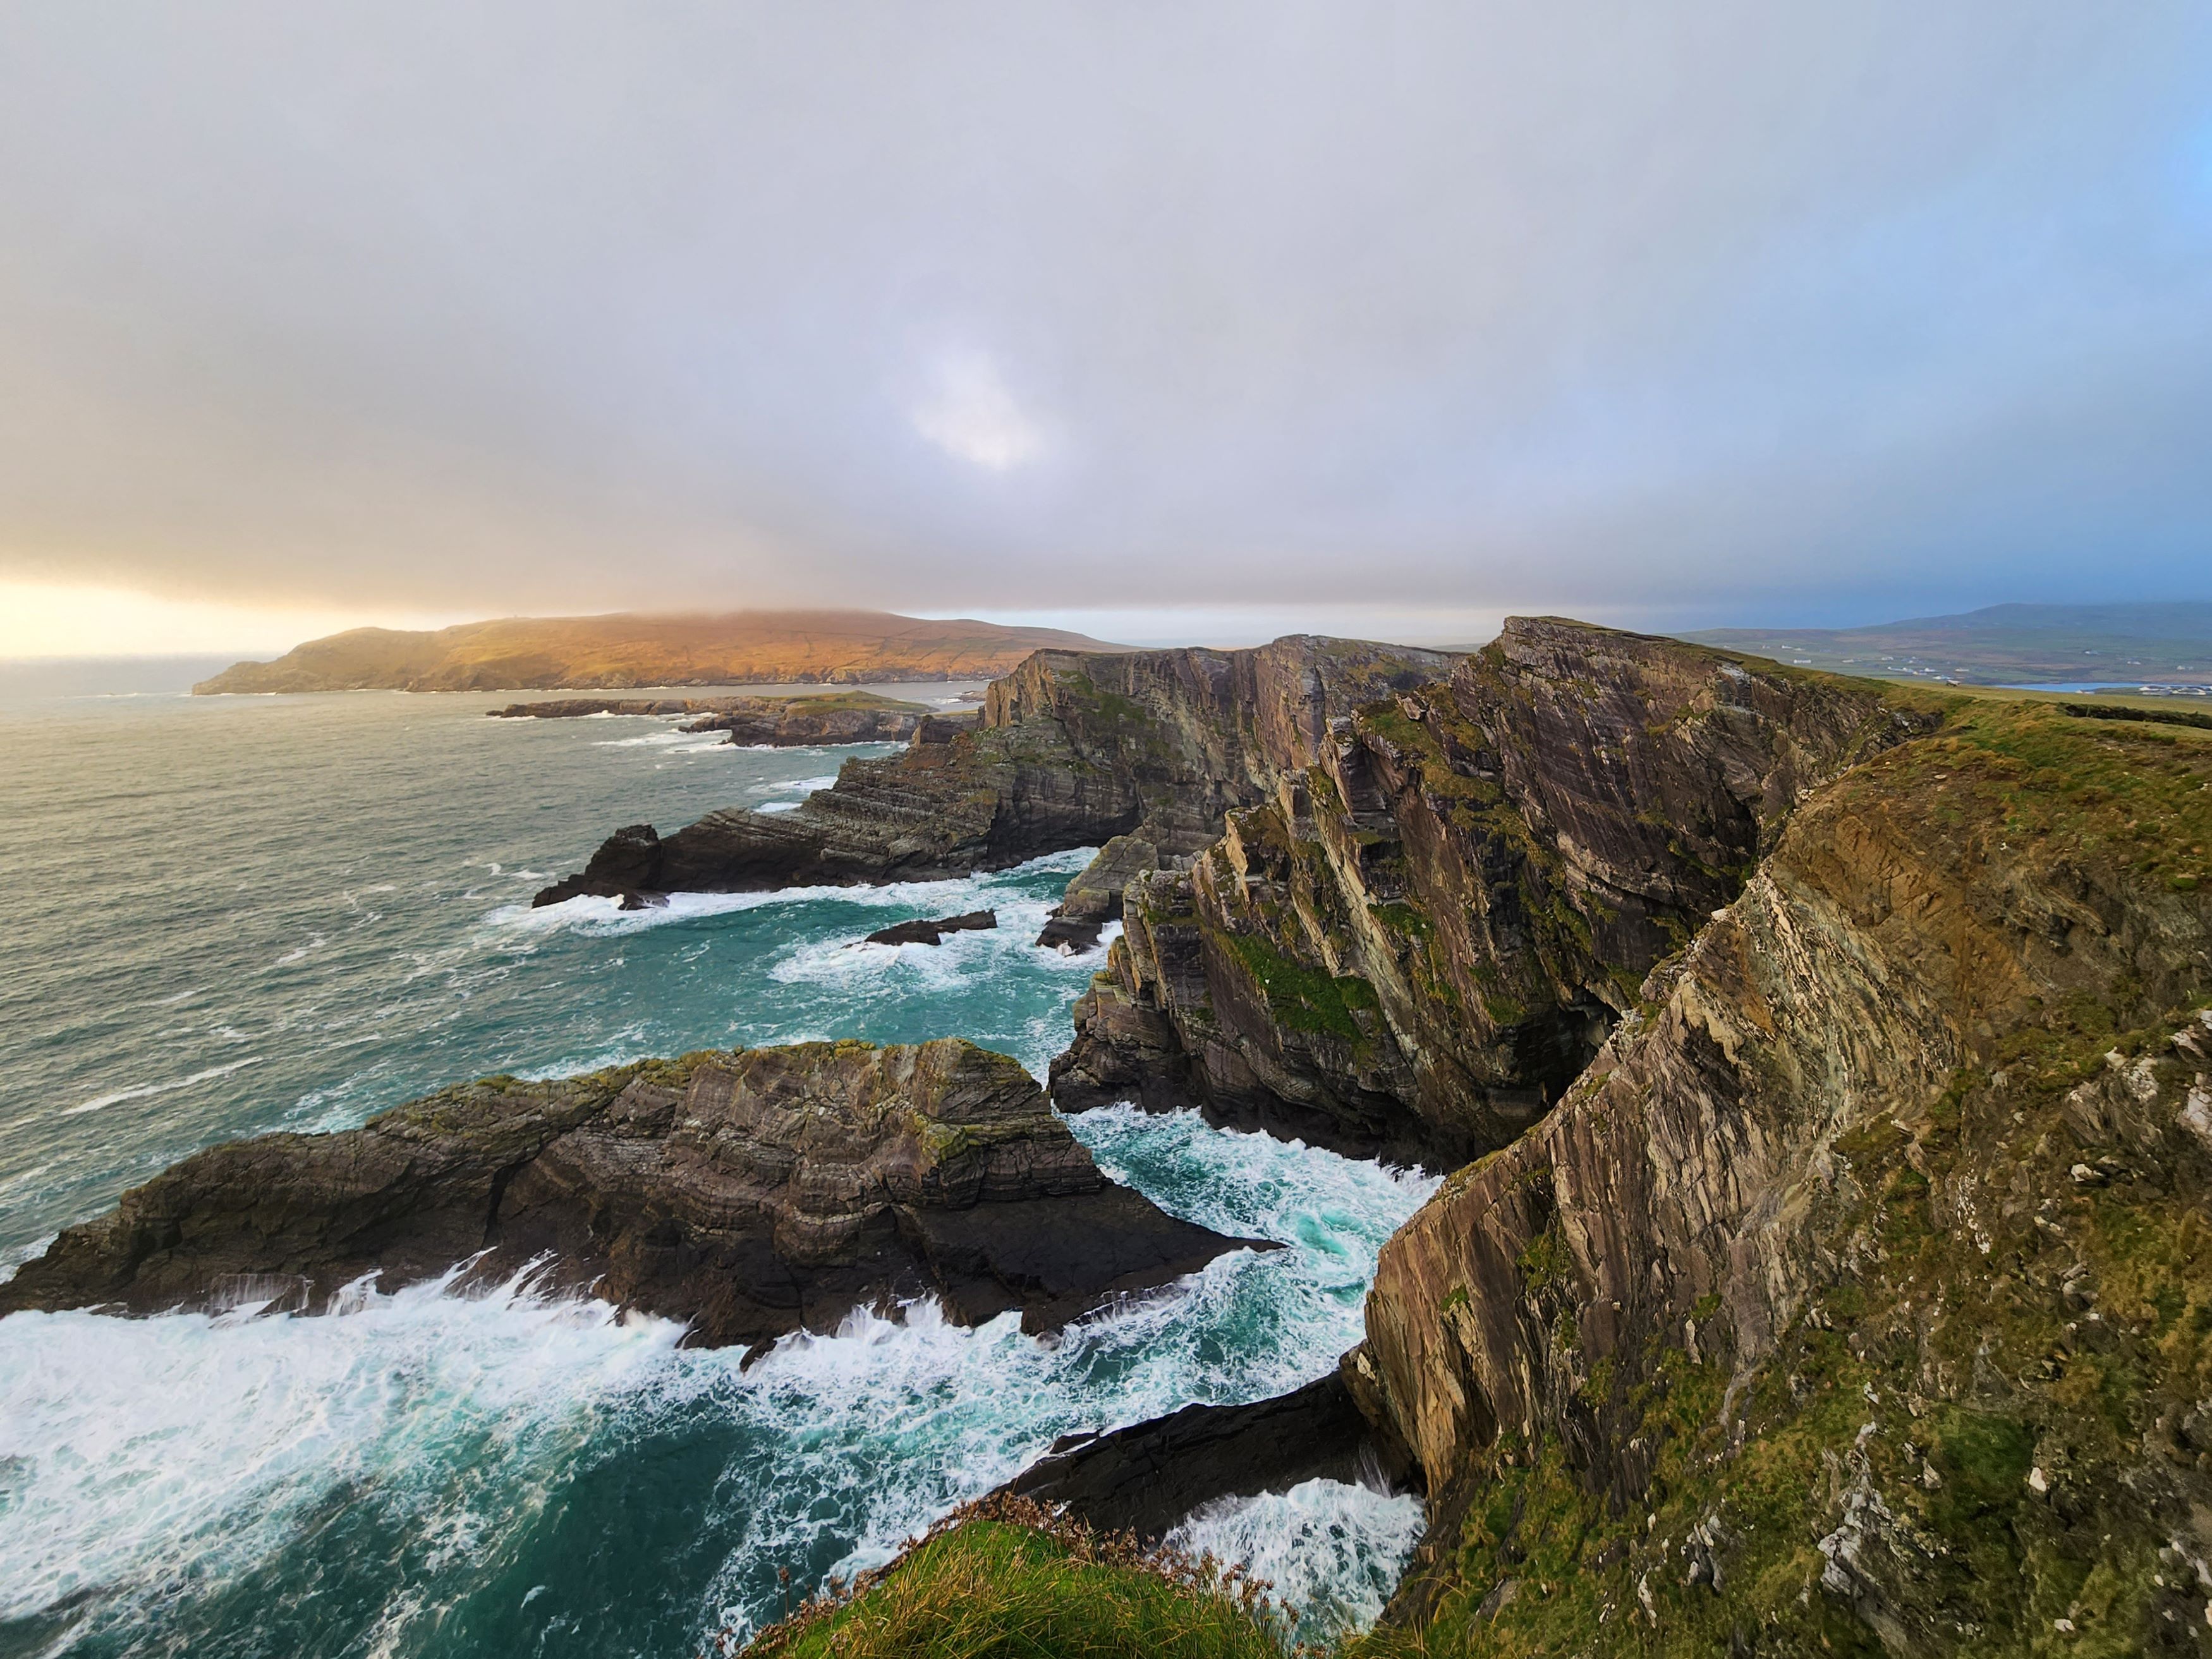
(749, 1193)
(1072, 751)
(1418, 935)
(1858, 1296)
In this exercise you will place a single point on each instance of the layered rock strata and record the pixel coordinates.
(750, 1193)
(1071, 751)
(1414, 940)
(1858, 1297)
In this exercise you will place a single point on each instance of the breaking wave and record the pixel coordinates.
(434, 1464)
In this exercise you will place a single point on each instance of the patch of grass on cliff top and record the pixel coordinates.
(1008, 1579)
(2135, 795)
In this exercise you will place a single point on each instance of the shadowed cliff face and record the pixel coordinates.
(1420, 937)
(749, 1193)
(1869, 1259)
(1074, 750)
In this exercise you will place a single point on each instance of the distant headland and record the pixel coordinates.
(2149, 645)
(739, 648)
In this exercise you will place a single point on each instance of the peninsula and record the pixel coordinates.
(818, 717)
(614, 652)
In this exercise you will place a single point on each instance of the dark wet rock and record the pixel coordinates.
(751, 1194)
(830, 717)
(1094, 895)
(1072, 751)
(1070, 938)
(934, 931)
(845, 717)
(1147, 1478)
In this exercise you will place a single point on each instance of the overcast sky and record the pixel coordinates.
(1698, 311)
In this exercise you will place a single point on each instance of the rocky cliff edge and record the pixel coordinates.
(1858, 1297)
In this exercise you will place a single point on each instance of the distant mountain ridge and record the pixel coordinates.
(563, 653)
(2165, 644)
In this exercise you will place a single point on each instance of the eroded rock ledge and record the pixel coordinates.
(751, 1193)
(1071, 751)
(833, 717)
(1149, 1477)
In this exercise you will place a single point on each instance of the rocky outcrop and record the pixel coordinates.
(1072, 751)
(1856, 1297)
(843, 717)
(1094, 894)
(833, 717)
(932, 931)
(1149, 1477)
(750, 1193)
(1416, 940)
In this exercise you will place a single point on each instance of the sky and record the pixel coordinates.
(1154, 320)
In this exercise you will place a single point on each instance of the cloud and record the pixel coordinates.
(68, 619)
(1721, 310)
(971, 416)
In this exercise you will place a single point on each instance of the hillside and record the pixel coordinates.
(741, 647)
(2004, 645)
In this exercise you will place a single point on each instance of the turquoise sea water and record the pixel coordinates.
(230, 916)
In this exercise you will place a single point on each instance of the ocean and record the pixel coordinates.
(226, 916)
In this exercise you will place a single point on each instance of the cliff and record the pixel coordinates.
(1072, 751)
(743, 648)
(828, 717)
(749, 1193)
(1422, 922)
(1858, 1297)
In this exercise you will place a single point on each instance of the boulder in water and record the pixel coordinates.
(932, 932)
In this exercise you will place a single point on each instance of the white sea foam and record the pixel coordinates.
(593, 914)
(140, 1091)
(145, 1450)
(142, 1460)
(672, 741)
(778, 806)
(1334, 1551)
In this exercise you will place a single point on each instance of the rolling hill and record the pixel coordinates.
(743, 648)
(2003, 645)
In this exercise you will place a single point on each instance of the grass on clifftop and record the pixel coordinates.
(1008, 1579)
(1990, 1428)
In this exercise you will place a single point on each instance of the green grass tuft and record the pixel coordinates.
(1008, 1579)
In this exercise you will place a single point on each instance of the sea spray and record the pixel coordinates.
(336, 891)
(1332, 1551)
(502, 1470)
